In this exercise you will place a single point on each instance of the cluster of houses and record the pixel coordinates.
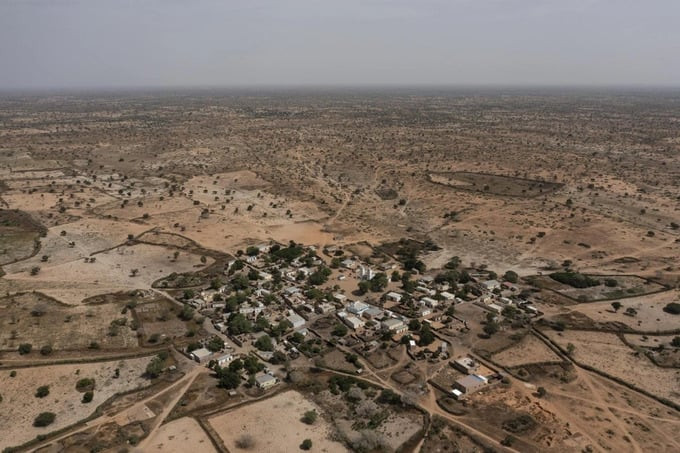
(279, 291)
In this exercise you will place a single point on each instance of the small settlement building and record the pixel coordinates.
(200, 355)
(266, 381)
(394, 325)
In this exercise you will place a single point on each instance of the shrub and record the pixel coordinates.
(42, 391)
(306, 444)
(519, 424)
(245, 442)
(44, 419)
(87, 397)
(85, 384)
(673, 308)
(309, 417)
(46, 350)
(25, 348)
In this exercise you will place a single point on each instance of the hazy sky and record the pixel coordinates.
(129, 43)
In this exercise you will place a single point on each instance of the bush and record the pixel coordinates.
(87, 397)
(519, 424)
(25, 348)
(245, 442)
(46, 350)
(673, 308)
(306, 444)
(44, 419)
(85, 384)
(387, 396)
(309, 417)
(42, 391)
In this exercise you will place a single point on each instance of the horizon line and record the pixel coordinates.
(336, 86)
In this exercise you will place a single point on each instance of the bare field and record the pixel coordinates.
(529, 350)
(274, 425)
(180, 436)
(606, 352)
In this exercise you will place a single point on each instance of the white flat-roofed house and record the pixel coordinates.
(394, 325)
(266, 381)
(296, 320)
(396, 297)
(201, 354)
(429, 302)
(357, 307)
(225, 359)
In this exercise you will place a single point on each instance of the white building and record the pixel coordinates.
(357, 307)
(296, 320)
(428, 301)
(365, 273)
(200, 355)
(394, 296)
(394, 325)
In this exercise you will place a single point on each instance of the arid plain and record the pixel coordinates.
(138, 228)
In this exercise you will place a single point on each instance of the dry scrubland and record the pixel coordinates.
(101, 195)
(20, 406)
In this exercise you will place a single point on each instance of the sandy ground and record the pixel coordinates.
(529, 350)
(275, 425)
(179, 436)
(113, 268)
(606, 352)
(20, 406)
(650, 315)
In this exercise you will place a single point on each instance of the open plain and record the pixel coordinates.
(369, 270)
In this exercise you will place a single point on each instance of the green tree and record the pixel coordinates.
(215, 344)
(154, 368)
(426, 335)
(378, 282)
(252, 365)
(306, 444)
(44, 419)
(616, 305)
(239, 324)
(25, 348)
(511, 276)
(228, 379)
(264, 343)
(340, 330)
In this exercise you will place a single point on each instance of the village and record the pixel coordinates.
(286, 302)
